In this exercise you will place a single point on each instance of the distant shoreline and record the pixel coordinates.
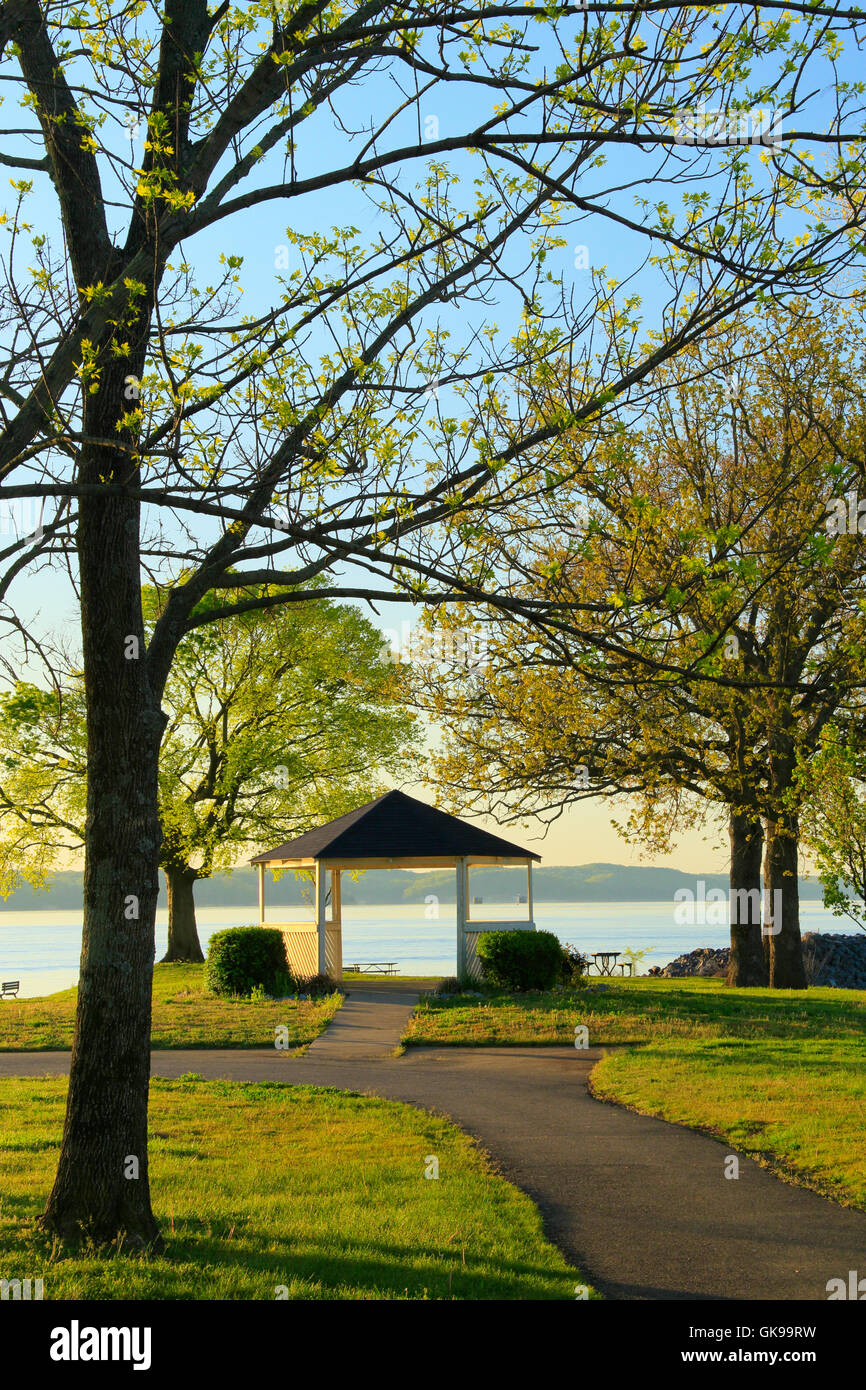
(585, 883)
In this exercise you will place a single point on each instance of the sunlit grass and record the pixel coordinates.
(184, 1015)
(780, 1074)
(639, 1010)
(797, 1105)
(259, 1187)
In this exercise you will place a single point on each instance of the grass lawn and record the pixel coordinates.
(779, 1074)
(184, 1015)
(325, 1196)
(418, 982)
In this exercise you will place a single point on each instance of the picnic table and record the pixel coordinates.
(605, 962)
(374, 967)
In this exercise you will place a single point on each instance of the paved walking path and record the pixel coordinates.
(640, 1206)
(370, 1024)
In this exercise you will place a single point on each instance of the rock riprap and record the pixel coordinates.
(831, 958)
(704, 961)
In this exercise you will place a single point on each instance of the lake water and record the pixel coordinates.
(41, 949)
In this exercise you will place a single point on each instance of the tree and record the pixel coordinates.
(276, 721)
(351, 421)
(833, 821)
(740, 611)
(534, 736)
(43, 788)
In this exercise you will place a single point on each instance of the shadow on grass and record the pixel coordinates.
(196, 1264)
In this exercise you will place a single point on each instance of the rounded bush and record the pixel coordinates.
(518, 960)
(241, 959)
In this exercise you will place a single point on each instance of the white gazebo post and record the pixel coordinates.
(461, 918)
(337, 921)
(421, 831)
(336, 897)
(321, 910)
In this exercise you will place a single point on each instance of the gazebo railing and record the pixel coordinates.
(317, 944)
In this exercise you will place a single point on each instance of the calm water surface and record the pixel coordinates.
(41, 949)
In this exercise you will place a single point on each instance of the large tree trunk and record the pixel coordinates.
(101, 1188)
(786, 948)
(768, 910)
(183, 942)
(747, 965)
(782, 889)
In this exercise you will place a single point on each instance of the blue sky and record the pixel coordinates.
(47, 599)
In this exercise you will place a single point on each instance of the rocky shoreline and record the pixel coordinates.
(831, 958)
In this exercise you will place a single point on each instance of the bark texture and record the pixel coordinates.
(101, 1189)
(747, 965)
(786, 947)
(183, 942)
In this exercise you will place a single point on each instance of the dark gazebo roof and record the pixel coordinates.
(395, 826)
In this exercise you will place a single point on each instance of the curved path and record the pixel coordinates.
(642, 1207)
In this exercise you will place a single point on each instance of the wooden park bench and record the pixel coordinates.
(374, 967)
(9, 989)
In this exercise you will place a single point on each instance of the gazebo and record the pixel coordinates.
(395, 831)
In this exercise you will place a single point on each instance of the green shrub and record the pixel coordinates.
(243, 959)
(517, 960)
(575, 966)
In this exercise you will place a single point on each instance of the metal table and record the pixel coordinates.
(605, 961)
